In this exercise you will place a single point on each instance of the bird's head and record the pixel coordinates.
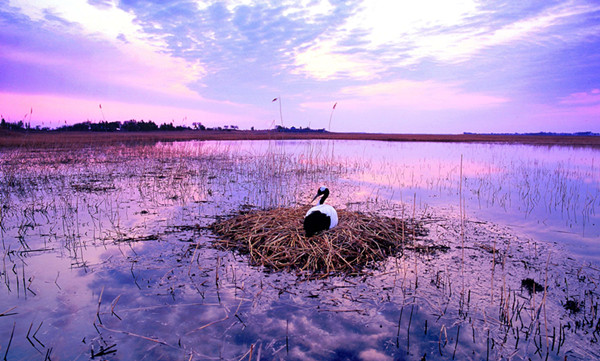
(322, 191)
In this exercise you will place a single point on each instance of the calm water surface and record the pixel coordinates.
(106, 254)
(551, 194)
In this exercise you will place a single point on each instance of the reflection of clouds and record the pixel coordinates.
(322, 335)
(516, 184)
(373, 355)
(178, 303)
(313, 333)
(332, 325)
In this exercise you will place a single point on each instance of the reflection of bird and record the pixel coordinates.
(321, 216)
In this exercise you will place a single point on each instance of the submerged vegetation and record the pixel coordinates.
(115, 251)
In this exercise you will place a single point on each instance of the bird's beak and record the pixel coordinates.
(317, 196)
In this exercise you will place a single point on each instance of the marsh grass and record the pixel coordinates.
(132, 220)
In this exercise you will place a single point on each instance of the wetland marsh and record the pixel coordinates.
(108, 252)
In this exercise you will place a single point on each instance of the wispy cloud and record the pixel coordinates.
(101, 18)
(400, 34)
(582, 98)
(414, 95)
(533, 29)
(323, 62)
(461, 58)
(95, 67)
(75, 109)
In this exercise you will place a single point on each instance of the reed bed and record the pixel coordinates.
(275, 239)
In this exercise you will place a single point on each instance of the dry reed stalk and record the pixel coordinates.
(113, 305)
(462, 225)
(135, 335)
(10, 340)
(544, 303)
(29, 339)
(99, 303)
(8, 313)
(226, 310)
(414, 236)
(275, 239)
(493, 270)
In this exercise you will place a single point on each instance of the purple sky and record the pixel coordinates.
(430, 66)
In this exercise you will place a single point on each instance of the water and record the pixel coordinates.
(105, 252)
(551, 194)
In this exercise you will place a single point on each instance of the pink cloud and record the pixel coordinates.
(582, 98)
(412, 95)
(56, 110)
(558, 118)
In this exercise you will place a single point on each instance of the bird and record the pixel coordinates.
(320, 217)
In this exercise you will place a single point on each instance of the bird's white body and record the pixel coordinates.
(327, 210)
(320, 217)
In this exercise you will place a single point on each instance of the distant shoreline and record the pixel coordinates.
(65, 139)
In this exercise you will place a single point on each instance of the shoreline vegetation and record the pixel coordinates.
(21, 134)
(116, 245)
(58, 138)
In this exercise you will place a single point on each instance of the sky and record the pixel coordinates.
(428, 66)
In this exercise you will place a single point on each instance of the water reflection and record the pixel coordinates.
(546, 193)
(105, 253)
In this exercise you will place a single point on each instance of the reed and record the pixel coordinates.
(275, 239)
(120, 196)
(8, 312)
(34, 336)
(12, 333)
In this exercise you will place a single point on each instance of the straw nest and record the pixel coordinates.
(275, 239)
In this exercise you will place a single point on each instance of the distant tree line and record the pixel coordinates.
(13, 126)
(133, 125)
(580, 134)
(280, 128)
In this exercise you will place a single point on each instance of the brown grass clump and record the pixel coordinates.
(275, 239)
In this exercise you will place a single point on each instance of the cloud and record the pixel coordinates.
(432, 59)
(534, 29)
(582, 98)
(373, 355)
(52, 58)
(75, 109)
(100, 17)
(243, 45)
(412, 95)
(382, 37)
(322, 62)
(389, 23)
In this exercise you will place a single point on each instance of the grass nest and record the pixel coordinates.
(275, 239)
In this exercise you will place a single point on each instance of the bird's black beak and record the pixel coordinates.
(317, 196)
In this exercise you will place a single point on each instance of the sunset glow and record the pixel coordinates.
(431, 67)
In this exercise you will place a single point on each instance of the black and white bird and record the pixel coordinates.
(320, 217)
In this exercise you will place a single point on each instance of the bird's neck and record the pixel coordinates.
(325, 195)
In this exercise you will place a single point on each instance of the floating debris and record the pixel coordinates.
(531, 286)
(276, 239)
(573, 306)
